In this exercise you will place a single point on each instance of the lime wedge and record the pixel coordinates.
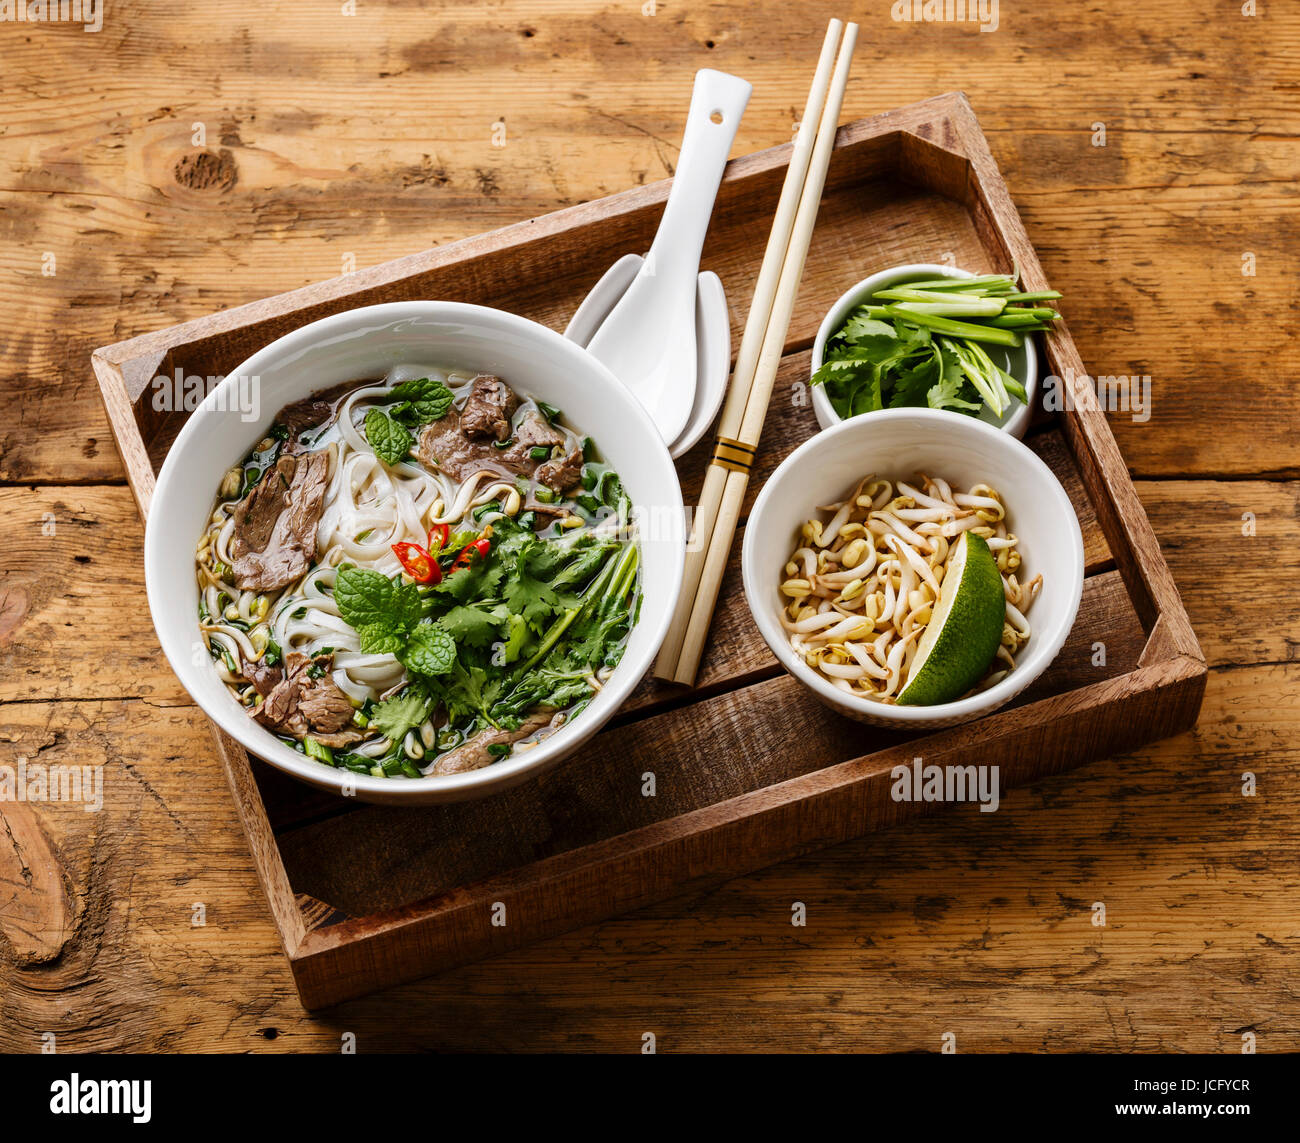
(964, 632)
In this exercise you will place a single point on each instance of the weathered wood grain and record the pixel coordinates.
(371, 137)
(906, 185)
(332, 153)
(975, 923)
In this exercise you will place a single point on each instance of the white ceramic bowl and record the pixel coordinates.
(1021, 363)
(896, 443)
(367, 343)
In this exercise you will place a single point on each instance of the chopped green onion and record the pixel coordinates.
(968, 330)
(1038, 296)
(963, 284)
(971, 309)
(963, 307)
(314, 749)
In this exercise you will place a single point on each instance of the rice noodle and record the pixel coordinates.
(368, 507)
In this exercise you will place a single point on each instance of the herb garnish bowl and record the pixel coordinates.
(368, 342)
(1021, 362)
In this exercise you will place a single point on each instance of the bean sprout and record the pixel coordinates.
(861, 586)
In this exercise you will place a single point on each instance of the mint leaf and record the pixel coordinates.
(406, 413)
(381, 638)
(429, 399)
(406, 606)
(382, 610)
(363, 596)
(390, 440)
(429, 651)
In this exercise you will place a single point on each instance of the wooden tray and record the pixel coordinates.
(749, 768)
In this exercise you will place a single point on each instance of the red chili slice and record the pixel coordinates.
(481, 545)
(417, 563)
(442, 534)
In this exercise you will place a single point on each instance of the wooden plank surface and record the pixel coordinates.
(371, 137)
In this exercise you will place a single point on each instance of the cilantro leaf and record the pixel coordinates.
(953, 389)
(593, 639)
(473, 625)
(867, 398)
(553, 684)
(468, 692)
(546, 559)
(395, 716)
(535, 600)
(470, 584)
(872, 364)
(859, 325)
(390, 440)
(912, 385)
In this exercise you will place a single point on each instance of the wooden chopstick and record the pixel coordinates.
(722, 529)
(751, 344)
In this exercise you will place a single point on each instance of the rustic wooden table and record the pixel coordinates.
(183, 160)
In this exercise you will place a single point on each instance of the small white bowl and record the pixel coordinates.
(368, 342)
(896, 443)
(1021, 363)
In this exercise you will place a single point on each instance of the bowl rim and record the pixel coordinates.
(1015, 424)
(260, 741)
(972, 706)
